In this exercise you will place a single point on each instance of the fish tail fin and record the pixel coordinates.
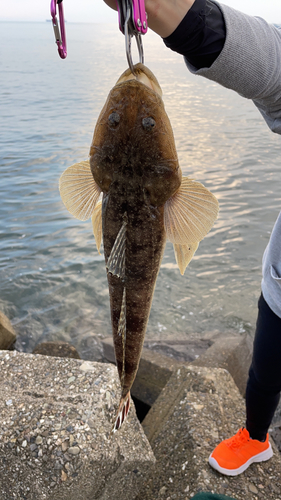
(122, 412)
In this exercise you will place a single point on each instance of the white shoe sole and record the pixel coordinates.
(261, 457)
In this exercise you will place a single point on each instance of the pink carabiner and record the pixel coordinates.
(137, 22)
(59, 33)
(140, 19)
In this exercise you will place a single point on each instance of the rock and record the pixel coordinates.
(46, 413)
(57, 349)
(7, 333)
(197, 409)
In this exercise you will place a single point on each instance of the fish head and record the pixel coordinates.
(133, 140)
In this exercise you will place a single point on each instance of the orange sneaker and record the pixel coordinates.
(233, 456)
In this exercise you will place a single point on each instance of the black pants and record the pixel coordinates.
(264, 382)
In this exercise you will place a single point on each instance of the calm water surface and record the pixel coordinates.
(53, 282)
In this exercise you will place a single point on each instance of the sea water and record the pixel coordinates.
(53, 282)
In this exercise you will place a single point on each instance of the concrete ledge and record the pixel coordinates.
(196, 410)
(234, 353)
(55, 441)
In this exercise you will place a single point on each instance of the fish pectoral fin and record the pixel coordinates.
(97, 224)
(184, 254)
(79, 190)
(188, 216)
(116, 260)
(122, 412)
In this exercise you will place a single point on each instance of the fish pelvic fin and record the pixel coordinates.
(116, 260)
(97, 224)
(79, 190)
(188, 216)
(122, 412)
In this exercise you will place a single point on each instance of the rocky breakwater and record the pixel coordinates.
(55, 433)
(198, 408)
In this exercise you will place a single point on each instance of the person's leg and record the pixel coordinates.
(264, 382)
(234, 455)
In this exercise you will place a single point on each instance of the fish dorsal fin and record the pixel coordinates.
(188, 216)
(116, 260)
(122, 333)
(122, 319)
(79, 191)
(97, 224)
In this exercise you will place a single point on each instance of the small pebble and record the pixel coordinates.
(74, 450)
(64, 446)
(63, 475)
(252, 488)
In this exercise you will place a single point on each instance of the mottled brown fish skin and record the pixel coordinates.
(137, 170)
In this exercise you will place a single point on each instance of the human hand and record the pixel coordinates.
(164, 16)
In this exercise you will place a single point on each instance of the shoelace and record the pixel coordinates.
(237, 440)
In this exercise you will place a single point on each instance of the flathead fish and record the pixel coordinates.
(145, 200)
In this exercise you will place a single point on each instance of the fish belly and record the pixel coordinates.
(131, 294)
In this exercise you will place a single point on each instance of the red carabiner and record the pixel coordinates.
(59, 33)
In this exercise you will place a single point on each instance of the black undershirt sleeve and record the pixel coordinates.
(201, 34)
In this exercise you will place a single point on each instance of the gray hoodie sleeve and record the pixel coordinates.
(250, 63)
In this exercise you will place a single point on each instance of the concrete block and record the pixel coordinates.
(7, 333)
(153, 373)
(182, 350)
(234, 353)
(58, 349)
(197, 409)
(55, 432)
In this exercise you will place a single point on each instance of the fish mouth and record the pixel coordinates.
(143, 75)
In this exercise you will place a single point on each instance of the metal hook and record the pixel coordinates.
(128, 38)
(59, 32)
(132, 22)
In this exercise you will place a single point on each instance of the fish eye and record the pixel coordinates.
(148, 123)
(114, 119)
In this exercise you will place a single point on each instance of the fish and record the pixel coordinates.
(133, 190)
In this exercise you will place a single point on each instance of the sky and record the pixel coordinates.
(96, 11)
